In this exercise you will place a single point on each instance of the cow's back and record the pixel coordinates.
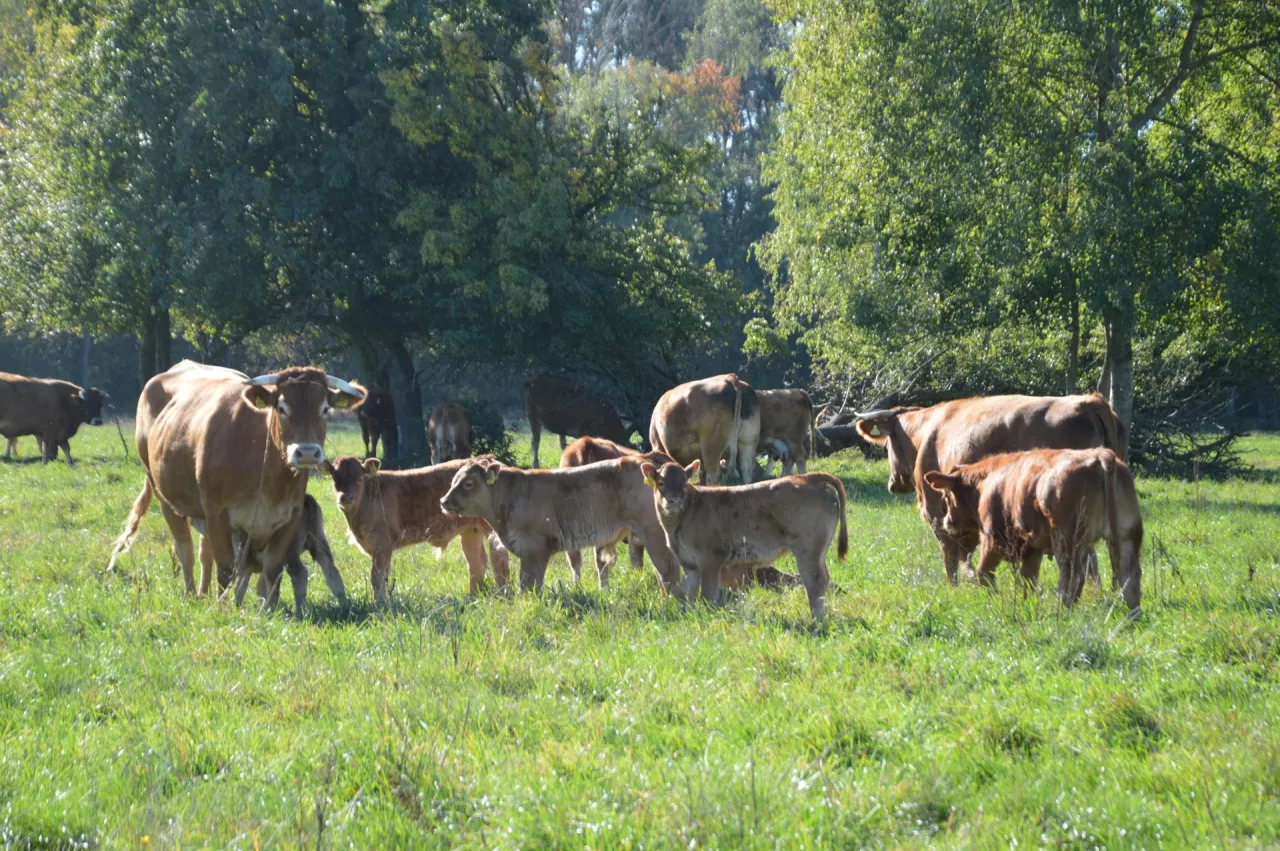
(24, 405)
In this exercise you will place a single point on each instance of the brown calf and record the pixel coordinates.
(1063, 501)
(537, 513)
(387, 511)
(786, 429)
(450, 433)
(710, 527)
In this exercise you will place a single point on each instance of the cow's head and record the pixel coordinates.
(471, 492)
(670, 484)
(961, 499)
(90, 404)
(299, 401)
(349, 474)
(883, 428)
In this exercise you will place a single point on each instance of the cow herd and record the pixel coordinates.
(1014, 477)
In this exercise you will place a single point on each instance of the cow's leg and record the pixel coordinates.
(1089, 564)
(206, 566)
(274, 560)
(950, 555)
(816, 579)
(803, 464)
(182, 547)
(533, 570)
(709, 580)
(563, 444)
(535, 437)
(11, 448)
(987, 565)
(651, 537)
(364, 436)
(66, 448)
(1030, 568)
(1070, 572)
(298, 578)
(473, 552)
(323, 555)
(373, 443)
(500, 562)
(605, 558)
(635, 550)
(379, 578)
(710, 472)
(575, 564)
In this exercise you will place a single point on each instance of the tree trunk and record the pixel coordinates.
(1118, 372)
(147, 351)
(407, 393)
(164, 340)
(1073, 345)
(86, 346)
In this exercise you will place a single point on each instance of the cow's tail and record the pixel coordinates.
(737, 423)
(139, 510)
(842, 543)
(813, 434)
(1111, 497)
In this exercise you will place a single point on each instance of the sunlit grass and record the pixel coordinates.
(919, 714)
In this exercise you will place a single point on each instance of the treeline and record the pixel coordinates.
(908, 198)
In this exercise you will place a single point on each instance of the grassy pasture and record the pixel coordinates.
(920, 715)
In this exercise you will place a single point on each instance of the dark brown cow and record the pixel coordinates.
(568, 409)
(50, 409)
(963, 431)
(704, 420)
(310, 538)
(786, 429)
(709, 528)
(387, 511)
(450, 433)
(1063, 501)
(538, 513)
(231, 455)
(377, 415)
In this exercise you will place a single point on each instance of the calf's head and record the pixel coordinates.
(961, 499)
(471, 492)
(670, 484)
(299, 401)
(349, 475)
(90, 404)
(884, 428)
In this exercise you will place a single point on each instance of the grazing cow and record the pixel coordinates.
(963, 431)
(1063, 501)
(710, 527)
(568, 409)
(231, 455)
(702, 420)
(786, 429)
(537, 513)
(50, 409)
(309, 538)
(450, 433)
(387, 511)
(377, 417)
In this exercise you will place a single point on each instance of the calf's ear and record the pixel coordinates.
(939, 481)
(649, 471)
(372, 465)
(692, 469)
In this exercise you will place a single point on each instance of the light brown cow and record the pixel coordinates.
(1063, 501)
(50, 409)
(310, 538)
(786, 429)
(537, 513)
(703, 420)
(568, 409)
(963, 431)
(450, 433)
(709, 528)
(231, 455)
(387, 511)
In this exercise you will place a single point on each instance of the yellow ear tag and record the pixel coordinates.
(650, 481)
(260, 403)
(491, 477)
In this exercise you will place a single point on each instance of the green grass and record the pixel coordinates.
(919, 715)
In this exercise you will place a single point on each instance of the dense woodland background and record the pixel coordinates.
(884, 200)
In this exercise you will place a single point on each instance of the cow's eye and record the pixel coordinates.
(325, 410)
(469, 484)
(283, 408)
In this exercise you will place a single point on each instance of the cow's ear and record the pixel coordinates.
(692, 469)
(874, 430)
(649, 472)
(372, 465)
(939, 481)
(339, 399)
(491, 474)
(259, 396)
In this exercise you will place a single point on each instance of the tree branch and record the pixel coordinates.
(1180, 76)
(1226, 149)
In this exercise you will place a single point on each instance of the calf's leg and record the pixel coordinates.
(575, 564)
(473, 551)
(500, 561)
(605, 557)
(1030, 569)
(635, 550)
(988, 563)
(535, 437)
(379, 578)
(813, 574)
(533, 570)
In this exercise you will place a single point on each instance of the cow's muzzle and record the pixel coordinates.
(96, 421)
(900, 486)
(305, 455)
(447, 506)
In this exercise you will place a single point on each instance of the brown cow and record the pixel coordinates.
(231, 455)
(1063, 501)
(537, 513)
(963, 431)
(50, 409)
(309, 538)
(710, 527)
(450, 433)
(702, 420)
(568, 409)
(377, 416)
(786, 429)
(387, 511)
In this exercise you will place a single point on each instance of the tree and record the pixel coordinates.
(948, 166)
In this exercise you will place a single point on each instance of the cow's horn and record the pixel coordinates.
(871, 415)
(339, 384)
(263, 380)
